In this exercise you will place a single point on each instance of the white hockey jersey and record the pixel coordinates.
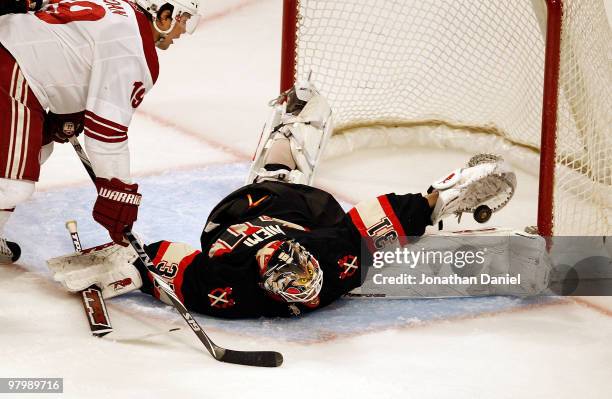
(96, 56)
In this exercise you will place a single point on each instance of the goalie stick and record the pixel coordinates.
(247, 358)
(93, 302)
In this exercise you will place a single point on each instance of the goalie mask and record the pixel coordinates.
(289, 272)
(177, 9)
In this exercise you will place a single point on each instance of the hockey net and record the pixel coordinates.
(530, 79)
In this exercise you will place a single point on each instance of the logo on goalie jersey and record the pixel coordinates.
(249, 234)
(348, 265)
(253, 204)
(220, 298)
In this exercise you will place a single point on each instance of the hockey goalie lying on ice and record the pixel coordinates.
(279, 247)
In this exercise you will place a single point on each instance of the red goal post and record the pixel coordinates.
(562, 45)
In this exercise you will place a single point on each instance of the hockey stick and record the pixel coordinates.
(247, 358)
(83, 157)
(93, 302)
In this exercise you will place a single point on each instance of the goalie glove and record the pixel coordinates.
(108, 266)
(483, 187)
(116, 207)
(19, 6)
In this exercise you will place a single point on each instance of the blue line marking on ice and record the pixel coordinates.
(175, 207)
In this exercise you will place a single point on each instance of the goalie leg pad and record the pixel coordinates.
(109, 266)
(307, 134)
(497, 262)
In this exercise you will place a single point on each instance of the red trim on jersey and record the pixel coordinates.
(102, 129)
(178, 280)
(163, 247)
(104, 139)
(109, 124)
(358, 222)
(386, 206)
(13, 92)
(148, 44)
(22, 156)
(21, 123)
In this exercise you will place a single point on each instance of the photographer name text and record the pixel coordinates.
(454, 279)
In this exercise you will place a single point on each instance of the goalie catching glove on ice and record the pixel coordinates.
(276, 247)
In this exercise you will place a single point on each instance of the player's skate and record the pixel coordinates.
(9, 251)
(485, 186)
(296, 131)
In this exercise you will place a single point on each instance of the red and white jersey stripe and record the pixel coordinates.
(378, 223)
(21, 118)
(102, 129)
(170, 263)
(18, 139)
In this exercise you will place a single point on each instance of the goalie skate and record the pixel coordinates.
(482, 188)
(9, 251)
(303, 117)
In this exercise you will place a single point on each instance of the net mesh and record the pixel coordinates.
(474, 65)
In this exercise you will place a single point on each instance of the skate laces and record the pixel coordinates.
(4, 248)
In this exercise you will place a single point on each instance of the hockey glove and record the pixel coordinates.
(61, 127)
(116, 207)
(19, 6)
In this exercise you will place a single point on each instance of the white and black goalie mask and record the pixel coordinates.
(289, 272)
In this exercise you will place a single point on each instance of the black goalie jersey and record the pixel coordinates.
(223, 279)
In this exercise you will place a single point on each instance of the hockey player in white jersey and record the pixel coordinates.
(72, 66)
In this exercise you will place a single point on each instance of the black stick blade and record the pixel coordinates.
(256, 358)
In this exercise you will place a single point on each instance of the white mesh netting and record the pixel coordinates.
(470, 66)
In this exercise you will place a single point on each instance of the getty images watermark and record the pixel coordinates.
(417, 259)
(506, 263)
